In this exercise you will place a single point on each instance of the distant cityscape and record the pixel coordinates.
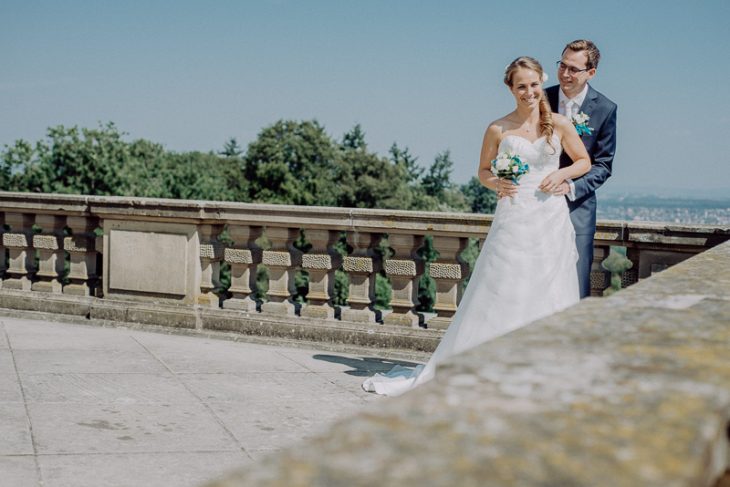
(710, 211)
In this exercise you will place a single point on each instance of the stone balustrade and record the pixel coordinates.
(160, 260)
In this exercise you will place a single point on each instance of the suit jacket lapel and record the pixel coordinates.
(590, 101)
(553, 98)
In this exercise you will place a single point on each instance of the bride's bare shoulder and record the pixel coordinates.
(497, 128)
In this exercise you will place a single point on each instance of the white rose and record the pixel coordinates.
(502, 164)
(581, 118)
(515, 169)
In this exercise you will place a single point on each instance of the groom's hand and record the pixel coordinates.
(562, 189)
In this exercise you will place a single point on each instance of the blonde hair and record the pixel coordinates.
(546, 115)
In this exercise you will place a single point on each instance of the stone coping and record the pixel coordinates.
(630, 390)
(357, 219)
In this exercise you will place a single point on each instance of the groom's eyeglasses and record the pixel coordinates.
(572, 70)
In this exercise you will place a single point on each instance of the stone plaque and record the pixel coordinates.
(148, 262)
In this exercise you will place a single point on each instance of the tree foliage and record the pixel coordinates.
(367, 180)
(289, 162)
(480, 198)
(231, 148)
(407, 162)
(292, 163)
(73, 160)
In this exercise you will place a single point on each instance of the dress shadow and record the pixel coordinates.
(365, 366)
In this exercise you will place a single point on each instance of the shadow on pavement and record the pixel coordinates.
(366, 366)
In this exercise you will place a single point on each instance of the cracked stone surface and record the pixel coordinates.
(87, 406)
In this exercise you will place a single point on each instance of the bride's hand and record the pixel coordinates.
(505, 188)
(551, 182)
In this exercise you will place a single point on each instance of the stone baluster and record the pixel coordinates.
(361, 266)
(81, 247)
(404, 269)
(448, 271)
(21, 261)
(211, 254)
(244, 259)
(99, 246)
(281, 259)
(600, 278)
(631, 276)
(3, 254)
(321, 262)
(51, 257)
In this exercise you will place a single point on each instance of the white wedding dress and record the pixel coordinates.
(526, 269)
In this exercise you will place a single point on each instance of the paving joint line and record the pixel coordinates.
(25, 404)
(133, 453)
(205, 404)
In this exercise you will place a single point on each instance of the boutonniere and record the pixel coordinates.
(580, 121)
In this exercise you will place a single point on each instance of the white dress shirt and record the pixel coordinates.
(576, 103)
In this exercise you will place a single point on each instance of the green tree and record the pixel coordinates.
(80, 161)
(16, 164)
(437, 185)
(196, 176)
(85, 161)
(354, 139)
(292, 163)
(99, 162)
(367, 180)
(479, 198)
(409, 164)
(438, 177)
(143, 170)
(231, 148)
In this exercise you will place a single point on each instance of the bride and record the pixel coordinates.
(527, 267)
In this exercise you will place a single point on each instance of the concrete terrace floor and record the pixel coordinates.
(84, 405)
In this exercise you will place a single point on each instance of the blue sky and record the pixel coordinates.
(424, 74)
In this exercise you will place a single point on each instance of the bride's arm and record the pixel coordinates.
(490, 145)
(575, 149)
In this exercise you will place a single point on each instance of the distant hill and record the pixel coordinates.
(707, 210)
(612, 190)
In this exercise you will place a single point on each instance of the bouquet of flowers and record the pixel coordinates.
(580, 120)
(509, 166)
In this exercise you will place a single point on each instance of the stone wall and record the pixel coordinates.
(628, 390)
(158, 262)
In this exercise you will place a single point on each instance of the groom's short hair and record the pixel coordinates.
(592, 52)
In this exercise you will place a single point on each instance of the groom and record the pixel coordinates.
(574, 98)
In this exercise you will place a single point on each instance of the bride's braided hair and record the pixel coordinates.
(546, 117)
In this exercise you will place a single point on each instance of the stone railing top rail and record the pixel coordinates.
(629, 390)
(360, 219)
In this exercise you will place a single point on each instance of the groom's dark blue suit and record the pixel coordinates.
(601, 146)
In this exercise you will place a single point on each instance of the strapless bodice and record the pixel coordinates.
(542, 159)
(541, 156)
